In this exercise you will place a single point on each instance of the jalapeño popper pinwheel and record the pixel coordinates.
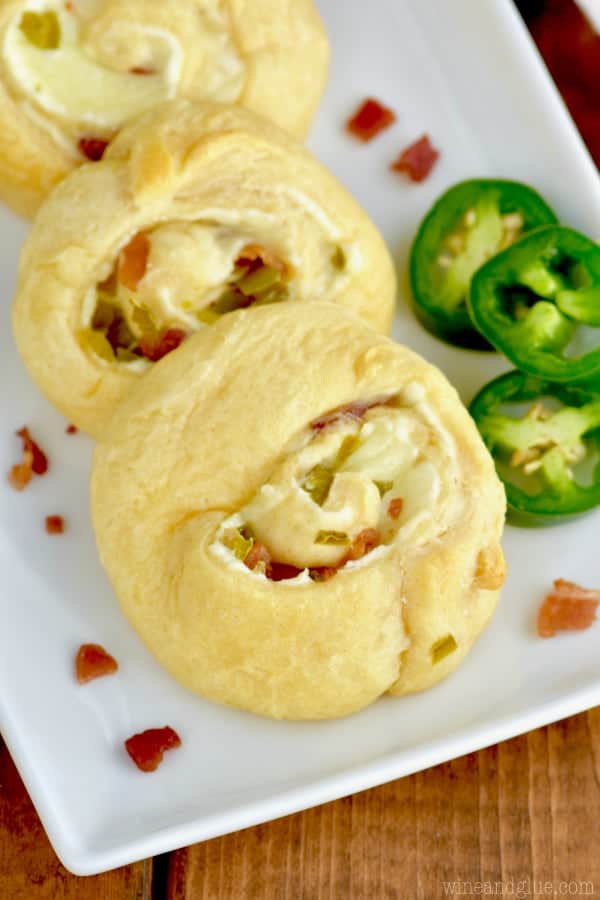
(195, 211)
(311, 518)
(72, 74)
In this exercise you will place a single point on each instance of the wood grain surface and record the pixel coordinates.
(29, 869)
(524, 812)
(519, 816)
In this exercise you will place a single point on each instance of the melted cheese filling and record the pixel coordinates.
(86, 83)
(192, 265)
(188, 266)
(392, 471)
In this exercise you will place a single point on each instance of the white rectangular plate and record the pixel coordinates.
(466, 73)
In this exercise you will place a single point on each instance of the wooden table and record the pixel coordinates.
(526, 809)
(519, 819)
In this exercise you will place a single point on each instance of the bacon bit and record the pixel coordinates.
(155, 348)
(281, 571)
(324, 573)
(142, 70)
(253, 256)
(55, 525)
(259, 559)
(21, 474)
(370, 119)
(257, 554)
(71, 429)
(93, 661)
(395, 508)
(40, 460)
(34, 461)
(352, 411)
(418, 160)
(93, 148)
(362, 544)
(133, 261)
(568, 607)
(147, 748)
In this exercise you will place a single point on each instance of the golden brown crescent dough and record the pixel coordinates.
(73, 73)
(196, 210)
(297, 515)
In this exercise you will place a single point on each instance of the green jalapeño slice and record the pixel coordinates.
(545, 440)
(539, 304)
(468, 225)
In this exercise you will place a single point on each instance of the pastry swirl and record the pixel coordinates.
(311, 518)
(195, 211)
(72, 74)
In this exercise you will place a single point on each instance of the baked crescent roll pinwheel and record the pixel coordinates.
(195, 211)
(73, 73)
(298, 515)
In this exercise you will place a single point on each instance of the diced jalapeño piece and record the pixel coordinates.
(42, 29)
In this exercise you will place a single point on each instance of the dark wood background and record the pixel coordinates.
(525, 813)
(526, 809)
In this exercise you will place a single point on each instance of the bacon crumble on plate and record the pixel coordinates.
(34, 462)
(21, 474)
(371, 118)
(93, 661)
(148, 747)
(417, 160)
(71, 429)
(39, 462)
(568, 607)
(55, 525)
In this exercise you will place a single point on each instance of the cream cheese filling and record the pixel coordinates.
(69, 84)
(188, 266)
(192, 265)
(96, 73)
